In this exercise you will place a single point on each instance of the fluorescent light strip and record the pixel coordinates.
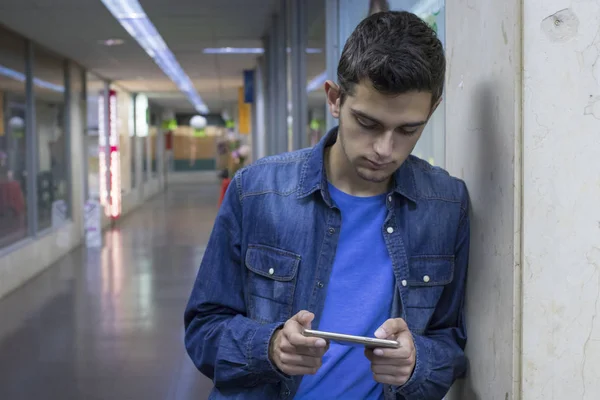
(9, 73)
(234, 50)
(132, 17)
(249, 50)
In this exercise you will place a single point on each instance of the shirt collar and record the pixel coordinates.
(313, 177)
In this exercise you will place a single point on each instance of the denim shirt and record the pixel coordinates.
(271, 253)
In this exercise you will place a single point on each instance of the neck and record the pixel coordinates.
(342, 174)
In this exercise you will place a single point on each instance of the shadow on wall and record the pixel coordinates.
(486, 143)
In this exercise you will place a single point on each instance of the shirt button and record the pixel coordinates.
(286, 393)
(390, 229)
(320, 284)
(331, 231)
(271, 271)
(426, 278)
(404, 283)
(390, 199)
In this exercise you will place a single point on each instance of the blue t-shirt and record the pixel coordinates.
(359, 299)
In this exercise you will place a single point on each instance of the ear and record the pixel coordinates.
(333, 98)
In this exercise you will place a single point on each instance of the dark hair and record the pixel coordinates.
(397, 51)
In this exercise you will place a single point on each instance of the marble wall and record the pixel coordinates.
(523, 130)
(561, 188)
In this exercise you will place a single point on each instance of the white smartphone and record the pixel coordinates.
(353, 340)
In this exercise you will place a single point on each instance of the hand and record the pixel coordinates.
(393, 366)
(292, 352)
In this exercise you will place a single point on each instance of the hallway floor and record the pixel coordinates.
(108, 324)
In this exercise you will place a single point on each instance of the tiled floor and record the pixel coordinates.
(108, 324)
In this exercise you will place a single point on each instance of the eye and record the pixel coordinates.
(408, 132)
(365, 124)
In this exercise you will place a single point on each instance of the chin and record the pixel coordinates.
(373, 176)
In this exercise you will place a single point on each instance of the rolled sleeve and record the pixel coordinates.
(258, 354)
(412, 388)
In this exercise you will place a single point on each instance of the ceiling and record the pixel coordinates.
(73, 29)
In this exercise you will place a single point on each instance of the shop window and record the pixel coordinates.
(52, 176)
(13, 140)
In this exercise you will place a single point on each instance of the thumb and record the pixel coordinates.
(391, 328)
(305, 318)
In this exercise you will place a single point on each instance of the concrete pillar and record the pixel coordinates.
(523, 131)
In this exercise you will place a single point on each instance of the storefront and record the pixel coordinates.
(35, 164)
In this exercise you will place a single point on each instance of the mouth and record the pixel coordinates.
(376, 166)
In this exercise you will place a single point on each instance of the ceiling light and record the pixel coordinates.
(233, 50)
(132, 17)
(249, 50)
(111, 42)
(313, 51)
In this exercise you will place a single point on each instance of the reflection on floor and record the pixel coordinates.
(108, 324)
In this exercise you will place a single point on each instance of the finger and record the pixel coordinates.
(297, 360)
(399, 353)
(297, 339)
(304, 318)
(391, 328)
(391, 361)
(311, 351)
(295, 370)
(399, 358)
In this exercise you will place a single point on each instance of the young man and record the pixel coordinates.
(352, 236)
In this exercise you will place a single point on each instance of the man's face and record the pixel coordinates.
(377, 131)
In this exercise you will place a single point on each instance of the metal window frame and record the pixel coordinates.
(333, 50)
(259, 137)
(299, 42)
(31, 145)
(271, 89)
(281, 88)
(84, 142)
(67, 132)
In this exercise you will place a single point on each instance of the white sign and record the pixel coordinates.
(93, 223)
(59, 213)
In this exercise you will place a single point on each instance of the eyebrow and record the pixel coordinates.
(370, 118)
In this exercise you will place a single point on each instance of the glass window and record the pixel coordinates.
(52, 177)
(13, 141)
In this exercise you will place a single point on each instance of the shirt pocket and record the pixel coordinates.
(428, 275)
(271, 282)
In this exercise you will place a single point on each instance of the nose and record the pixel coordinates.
(384, 144)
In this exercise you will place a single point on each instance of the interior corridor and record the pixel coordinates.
(108, 324)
